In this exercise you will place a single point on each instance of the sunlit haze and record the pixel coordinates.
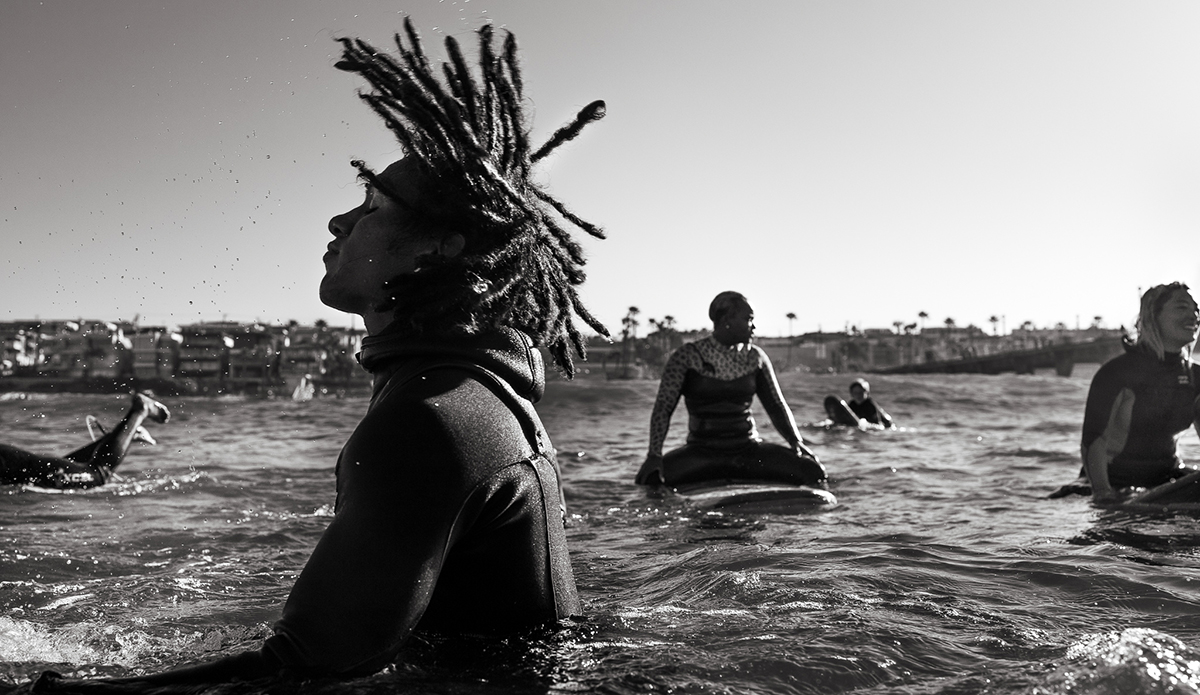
(852, 162)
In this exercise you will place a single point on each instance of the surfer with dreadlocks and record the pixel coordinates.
(449, 516)
(88, 466)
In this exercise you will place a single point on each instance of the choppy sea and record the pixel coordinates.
(945, 569)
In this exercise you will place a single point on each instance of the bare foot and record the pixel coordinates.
(141, 435)
(154, 410)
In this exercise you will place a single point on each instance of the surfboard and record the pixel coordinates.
(1181, 495)
(756, 498)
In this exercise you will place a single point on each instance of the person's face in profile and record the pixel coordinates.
(1179, 320)
(372, 244)
(740, 322)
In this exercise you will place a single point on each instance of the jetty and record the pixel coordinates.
(1062, 357)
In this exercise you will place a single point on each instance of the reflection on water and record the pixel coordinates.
(943, 570)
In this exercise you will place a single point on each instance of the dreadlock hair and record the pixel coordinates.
(1149, 329)
(519, 267)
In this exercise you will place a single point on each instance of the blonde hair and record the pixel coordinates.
(1149, 331)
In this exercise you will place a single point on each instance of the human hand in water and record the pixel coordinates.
(651, 471)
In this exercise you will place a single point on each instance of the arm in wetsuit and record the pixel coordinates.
(670, 388)
(771, 397)
(1106, 421)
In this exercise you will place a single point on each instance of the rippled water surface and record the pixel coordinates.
(944, 569)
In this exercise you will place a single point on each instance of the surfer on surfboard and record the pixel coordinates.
(1140, 402)
(860, 412)
(718, 377)
(88, 466)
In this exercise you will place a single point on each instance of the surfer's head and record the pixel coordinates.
(732, 317)
(859, 390)
(482, 244)
(1168, 321)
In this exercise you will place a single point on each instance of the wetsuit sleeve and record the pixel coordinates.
(669, 390)
(373, 572)
(1106, 421)
(771, 397)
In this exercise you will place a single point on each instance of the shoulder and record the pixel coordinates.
(687, 354)
(757, 354)
(445, 411)
(1123, 368)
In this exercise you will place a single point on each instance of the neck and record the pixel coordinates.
(376, 321)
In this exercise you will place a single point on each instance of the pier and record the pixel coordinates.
(1061, 357)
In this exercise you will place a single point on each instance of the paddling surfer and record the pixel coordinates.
(86, 467)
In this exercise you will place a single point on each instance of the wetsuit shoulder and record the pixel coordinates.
(443, 508)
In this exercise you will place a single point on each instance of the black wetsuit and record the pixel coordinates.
(20, 467)
(1163, 394)
(870, 412)
(448, 518)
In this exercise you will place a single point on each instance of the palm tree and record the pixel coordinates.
(629, 326)
(922, 315)
(630, 323)
(897, 325)
(791, 317)
(995, 320)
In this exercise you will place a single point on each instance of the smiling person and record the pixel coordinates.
(718, 377)
(449, 516)
(1140, 402)
(86, 467)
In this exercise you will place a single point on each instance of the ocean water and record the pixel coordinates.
(943, 570)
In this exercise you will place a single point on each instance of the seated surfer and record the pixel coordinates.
(718, 377)
(1140, 402)
(865, 408)
(448, 515)
(88, 466)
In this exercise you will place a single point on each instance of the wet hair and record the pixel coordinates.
(467, 135)
(1149, 330)
(723, 303)
(866, 387)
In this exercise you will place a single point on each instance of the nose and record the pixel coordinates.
(340, 225)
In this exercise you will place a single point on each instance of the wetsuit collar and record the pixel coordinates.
(506, 352)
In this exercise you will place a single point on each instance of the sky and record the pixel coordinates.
(851, 162)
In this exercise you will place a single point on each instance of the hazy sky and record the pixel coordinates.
(852, 162)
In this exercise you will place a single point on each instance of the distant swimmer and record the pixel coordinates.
(89, 466)
(718, 377)
(1142, 401)
(865, 408)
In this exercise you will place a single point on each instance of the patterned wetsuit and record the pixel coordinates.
(718, 384)
(1136, 408)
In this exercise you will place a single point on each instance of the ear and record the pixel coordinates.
(451, 246)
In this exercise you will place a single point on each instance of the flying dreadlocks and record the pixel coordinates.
(519, 266)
